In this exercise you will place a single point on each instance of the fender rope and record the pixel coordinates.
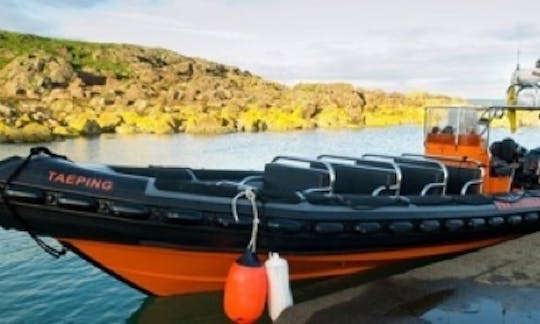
(54, 252)
(250, 195)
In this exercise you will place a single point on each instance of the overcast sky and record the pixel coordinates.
(459, 47)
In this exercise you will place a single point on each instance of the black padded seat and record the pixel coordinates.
(354, 179)
(459, 176)
(416, 177)
(286, 178)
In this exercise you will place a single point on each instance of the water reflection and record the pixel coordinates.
(207, 307)
(475, 303)
(240, 150)
(229, 151)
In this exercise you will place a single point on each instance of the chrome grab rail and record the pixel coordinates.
(397, 171)
(328, 166)
(468, 184)
(427, 187)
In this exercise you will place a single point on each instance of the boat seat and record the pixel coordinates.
(419, 176)
(280, 177)
(462, 180)
(171, 179)
(357, 179)
(419, 179)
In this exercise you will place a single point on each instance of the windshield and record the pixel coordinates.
(452, 124)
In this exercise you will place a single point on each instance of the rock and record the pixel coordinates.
(63, 132)
(251, 120)
(22, 120)
(12, 135)
(39, 64)
(6, 111)
(97, 102)
(132, 94)
(91, 79)
(35, 132)
(218, 70)
(149, 76)
(75, 89)
(84, 124)
(184, 69)
(130, 118)
(89, 89)
(173, 95)
(14, 88)
(108, 121)
(140, 104)
(59, 94)
(223, 94)
(156, 123)
(125, 129)
(60, 73)
(206, 124)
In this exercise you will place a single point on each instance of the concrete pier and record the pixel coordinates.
(500, 272)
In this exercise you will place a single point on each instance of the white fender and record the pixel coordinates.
(279, 290)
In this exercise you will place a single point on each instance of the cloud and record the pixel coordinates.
(13, 18)
(519, 32)
(451, 46)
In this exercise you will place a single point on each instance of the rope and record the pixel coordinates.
(24, 225)
(250, 195)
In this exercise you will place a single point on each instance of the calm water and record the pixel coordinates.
(35, 288)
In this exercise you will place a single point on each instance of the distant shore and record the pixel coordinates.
(51, 89)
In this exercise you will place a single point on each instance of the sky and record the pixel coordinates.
(466, 48)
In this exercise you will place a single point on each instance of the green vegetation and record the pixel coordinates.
(83, 54)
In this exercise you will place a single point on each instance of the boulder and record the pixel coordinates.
(60, 73)
(91, 79)
(63, 132)
(206, 124)
(6, 111)
(108, 121)
(125, 129)
(156, 123)
(184, 69)
(83, 124)
(35, 132)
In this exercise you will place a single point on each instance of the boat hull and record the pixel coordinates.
(165, 234)
(164, 271)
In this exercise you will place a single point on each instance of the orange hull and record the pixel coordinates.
(166, 271)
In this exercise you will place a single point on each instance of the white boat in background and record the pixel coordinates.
(524, 89)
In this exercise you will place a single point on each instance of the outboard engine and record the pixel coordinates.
(528, 177)
(506, 157)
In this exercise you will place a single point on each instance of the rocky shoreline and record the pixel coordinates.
(54, 89)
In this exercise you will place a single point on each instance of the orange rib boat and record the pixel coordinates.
(169, 231)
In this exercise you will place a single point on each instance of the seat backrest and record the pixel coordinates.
(416, 177)
(286, 178)
(360, 179)
(459, 176)
(351, 179)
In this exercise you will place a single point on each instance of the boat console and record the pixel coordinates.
(460, 136)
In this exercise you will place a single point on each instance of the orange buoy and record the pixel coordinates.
(245, 289)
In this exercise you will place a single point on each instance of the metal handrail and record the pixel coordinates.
(328, 166)
(466, 185)
(396, 187)
(426, 188)
(464, 159)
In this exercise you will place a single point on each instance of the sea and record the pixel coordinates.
(36, 288)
